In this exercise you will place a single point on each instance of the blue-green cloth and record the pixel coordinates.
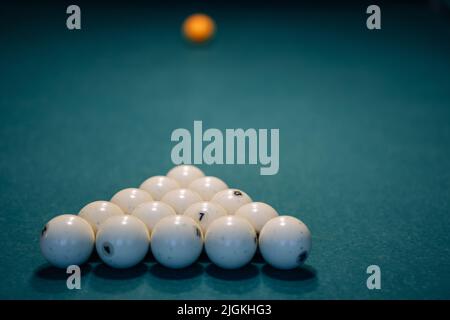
(364, 120)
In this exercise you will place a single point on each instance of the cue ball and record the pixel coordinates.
(176, 241)
(285, 242)
(67, 240)
(204, 213)
(181, 199)
(198, 28)
(128, 199)
(122, 241)
(98, 211)
(231, 199)
(185, 174)
(151, 212)
(207, 187)
(257, 213)
(230, 242)
(158, 186)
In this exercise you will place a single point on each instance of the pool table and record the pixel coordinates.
(364, 137)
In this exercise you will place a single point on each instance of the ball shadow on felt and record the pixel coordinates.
(237, 281)
(106, 272)
(246, 272)
(94, 257)
(149, 257)
(299, 280)
(49, 272)
(175, 281)
(115, 282)
(189, 272)
(203, 257)
(303, 273)
(258, 258)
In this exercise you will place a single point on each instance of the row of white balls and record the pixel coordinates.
(177, 226)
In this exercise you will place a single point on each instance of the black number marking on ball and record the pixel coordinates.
(44, 230)
(197, 232)
(237, 193)
(107, 249)
(302, 257)
(201, 214)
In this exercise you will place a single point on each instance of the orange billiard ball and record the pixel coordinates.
(199, 28)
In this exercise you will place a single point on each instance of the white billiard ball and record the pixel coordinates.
(230, 242)
(231, 199)
(181, 199)
(176, 241)
(67, 240)
(285, 242)
(128, 199)
(151, 212)
(257, 213)
(158, 186)
(98, 211)
(204, 213)
(122, 241)
(207, 187)
(185, 174)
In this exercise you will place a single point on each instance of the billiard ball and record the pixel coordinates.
(98, 211)
(122, 241)
(176, 241)
(285, 242)
(230, 242)
(158, 186)
(198, 28)
(185, 174)
(204, 213)
(151, 212)
(128, 199)
(257, 213)
(207, 187)
(67, 240)
(181, 199)
(231, 199)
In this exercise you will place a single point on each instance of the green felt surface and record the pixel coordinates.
(364, 140)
